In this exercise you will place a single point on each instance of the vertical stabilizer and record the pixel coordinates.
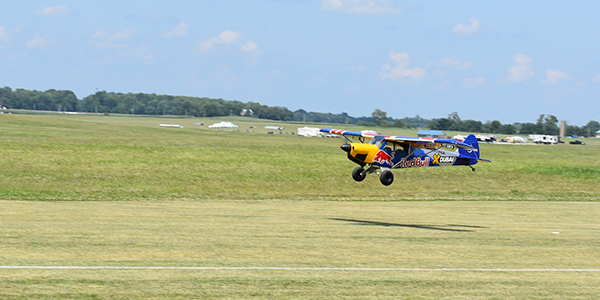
(471, 140)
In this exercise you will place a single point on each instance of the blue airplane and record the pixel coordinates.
(383, 153)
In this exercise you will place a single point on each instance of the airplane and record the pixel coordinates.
(386, 152)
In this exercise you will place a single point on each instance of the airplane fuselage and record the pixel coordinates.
(393, 155)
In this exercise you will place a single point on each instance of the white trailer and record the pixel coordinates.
(544, 139)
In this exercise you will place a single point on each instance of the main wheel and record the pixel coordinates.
(357, 174)
(386, 177)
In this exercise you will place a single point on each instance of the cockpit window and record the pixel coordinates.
(377, 140)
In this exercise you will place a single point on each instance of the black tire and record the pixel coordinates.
(356, 174)
(386, 177)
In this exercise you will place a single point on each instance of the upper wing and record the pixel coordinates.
(349, 133)
(438, 143)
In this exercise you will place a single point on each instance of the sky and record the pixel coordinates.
(486, 60)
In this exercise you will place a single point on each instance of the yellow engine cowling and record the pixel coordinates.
(361, 153)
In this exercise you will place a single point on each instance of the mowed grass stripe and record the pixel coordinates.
(294, 269)
(273, 249)
(295, 240)
(302, 234)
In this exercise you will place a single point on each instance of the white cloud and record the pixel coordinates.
(467, 29)
(455, 63)
(363, 7)
(554, 76)
(596, 79)
(229, 37)
(119, 36)
(401, 71)
(38, 42)
(179, 31)
(54, 11)
(249, 46)
(225, 37)
(4, 36)
(474, 81)
(522, 70)
(207, 45)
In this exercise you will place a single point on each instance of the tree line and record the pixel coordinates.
(152, 104)
(546, 124)
(130, 103)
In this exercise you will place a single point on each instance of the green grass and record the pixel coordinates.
(124, 158)
(121, 191)
(317, 234)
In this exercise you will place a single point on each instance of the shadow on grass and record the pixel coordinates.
(429, 227)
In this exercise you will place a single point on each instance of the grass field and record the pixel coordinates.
(120, 158)
(248, 215)
(301, 234)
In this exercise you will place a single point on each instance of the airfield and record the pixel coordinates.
(118, 207)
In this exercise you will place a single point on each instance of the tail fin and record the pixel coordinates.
(473, 154)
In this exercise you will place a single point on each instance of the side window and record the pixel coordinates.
(387, 146)
(398, 148)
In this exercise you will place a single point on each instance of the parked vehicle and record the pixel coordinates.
(544, 139)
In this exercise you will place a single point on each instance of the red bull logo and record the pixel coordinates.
(382, 158)
(413, 163)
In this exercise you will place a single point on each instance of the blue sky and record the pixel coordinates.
(502, 60)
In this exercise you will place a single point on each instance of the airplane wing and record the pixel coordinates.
(445, 143)
(349, 133)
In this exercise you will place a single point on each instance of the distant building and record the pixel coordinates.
(246, 112)
(598, 134)
(431, 134)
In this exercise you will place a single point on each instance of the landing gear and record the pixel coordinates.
(472, 168)
(386, 177)
(358, 175)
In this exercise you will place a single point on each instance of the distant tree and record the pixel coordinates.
(380, 117)
(495, 127)
(540, 125)
(576, 130)
(471, 126)
(528, 128)
(433, 125)
(454, 116)
(551, 125)
(445, 124)
(416, 122)
(399, 123)
(592, 127)
(508, 129)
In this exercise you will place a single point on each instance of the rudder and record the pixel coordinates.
(471, 140)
